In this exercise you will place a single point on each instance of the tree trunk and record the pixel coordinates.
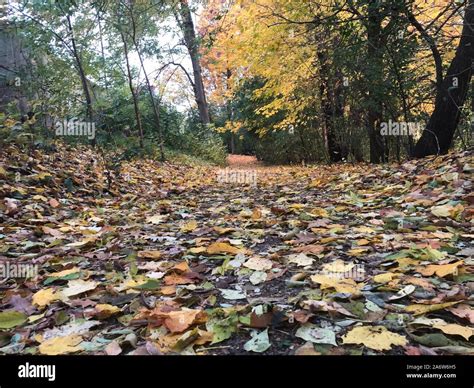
(374, 79)
(332, 107)
(80, 68)
(132, 90)
(156, 111)
(190, 40)
(11, 63)
(438, 135)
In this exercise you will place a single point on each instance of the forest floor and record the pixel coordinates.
(342, 259)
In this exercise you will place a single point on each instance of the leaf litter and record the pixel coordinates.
(345, 259)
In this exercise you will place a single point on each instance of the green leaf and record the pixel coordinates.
(259, 342)
(70, 276)
(151, 284)
(222, 329)
(9, 319)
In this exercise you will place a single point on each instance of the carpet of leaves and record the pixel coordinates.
(343, 259)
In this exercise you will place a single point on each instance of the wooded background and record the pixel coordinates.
(289, 81)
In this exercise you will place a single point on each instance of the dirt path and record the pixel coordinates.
(243, 161)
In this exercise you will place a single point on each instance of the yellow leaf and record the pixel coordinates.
(319, 212)
(189, 226)
(297, 206)
(374, 337)
(131, 283)
(221, 247)
(357, 252)
(453, 329)
(340, 285)
(362, 242)
(105, 311)
(338, 266)
(60, 345)
(440, 270)
(222, 231)
(418, 309)
(383, 277)
(405, 262)
(44, 297)
(364, 229)
(327, 240)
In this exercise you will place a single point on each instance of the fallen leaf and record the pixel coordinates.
(440, 270)
(310, 249)
(189, 226)
(319, 212)
(307, 350)
(9, 319)
(454, 329)
(339, 284)
(53, 203)
(259, 342)
(316, 305)
(154, 255)
(463, 311)
(79, 286)
(418, 309)
(113, 349)
(179, 321)
(257, 277)
(374, 337)
(46, 296)
(218, 248)
(233, 294)
(258, 264)
(383, 277)
(301, 260)
(197, 250)
(338, 266)
(60, 345)
(158, 219)
(105, 311)
(405, 291)
(317, 335)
